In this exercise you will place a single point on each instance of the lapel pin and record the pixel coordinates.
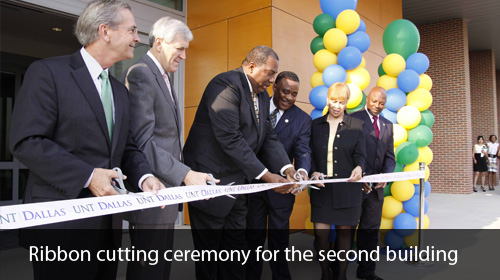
(286, 120)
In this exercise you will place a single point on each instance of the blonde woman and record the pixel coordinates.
(338, 150)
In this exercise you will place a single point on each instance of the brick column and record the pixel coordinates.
(483, 94)
(446, 45)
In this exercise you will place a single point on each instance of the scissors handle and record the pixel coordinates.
(120, 187)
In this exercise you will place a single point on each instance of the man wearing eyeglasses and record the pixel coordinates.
(70, 127)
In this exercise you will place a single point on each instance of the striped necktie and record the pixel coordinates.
(256, 105)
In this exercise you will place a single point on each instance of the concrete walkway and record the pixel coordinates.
(477, 250)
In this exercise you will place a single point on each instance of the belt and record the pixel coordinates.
(491, 155)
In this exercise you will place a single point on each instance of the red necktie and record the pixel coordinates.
(375, 126)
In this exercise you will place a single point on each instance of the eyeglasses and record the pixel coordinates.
(130, 29)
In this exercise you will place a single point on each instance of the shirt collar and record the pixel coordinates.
(272, 107)
(93, 66)
(157, 63)
(249, 84)
(370, 114)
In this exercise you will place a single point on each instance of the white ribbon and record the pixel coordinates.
(35, 214)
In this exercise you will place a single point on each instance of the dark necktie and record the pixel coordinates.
(106, 101)
(256, 105)
(375, 126)
(274, 117)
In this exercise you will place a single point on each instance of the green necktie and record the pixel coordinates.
(106, 101)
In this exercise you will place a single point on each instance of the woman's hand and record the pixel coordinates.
(356, 174)
(316, 176)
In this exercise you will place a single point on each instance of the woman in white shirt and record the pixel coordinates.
(480, 156)
(492, 166)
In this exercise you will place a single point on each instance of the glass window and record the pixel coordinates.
(7, 92)
(173, 4)
(5, 185)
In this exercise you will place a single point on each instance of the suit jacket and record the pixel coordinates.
(348, 152)
(294, 132)
(225, 137)
(156, 124)
(380, 151)
(59, 132)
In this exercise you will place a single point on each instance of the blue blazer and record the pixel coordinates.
(294, 132)
(380, 152)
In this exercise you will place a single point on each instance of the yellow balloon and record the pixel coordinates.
(400, 134)
(402, 190)
(348, 21)
(317, 79)
(414, 167)
(325, 110)
(335, 40)
(393, 64)
(382, 237)
(391, 208)
(426, 222)
(324, 58)
(386, 224)
(425, 155)
(387, 82)
(359, 76)
(420, 98)
(425, 82)
(363, 62)
(356, 96)
(408, 117)
(412, 240)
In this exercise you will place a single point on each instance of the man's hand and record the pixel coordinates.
(316, 176)
(356, 174)
(304, 176)
(269, 177)
(194, 178)
(152, 185)
(366, 188)
(381, 185)
(100, 183)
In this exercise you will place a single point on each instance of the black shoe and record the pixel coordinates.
(370, 277)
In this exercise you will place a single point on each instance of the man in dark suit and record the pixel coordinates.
(379, 141)
(156, 124)
(70, 126)
(230, 129)
(269, 209)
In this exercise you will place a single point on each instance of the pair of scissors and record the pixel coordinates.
(212, 182)
(119, 186)
(298, 177)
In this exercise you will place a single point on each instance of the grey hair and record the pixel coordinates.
(168, 28)
(96, 13)
(259, 55)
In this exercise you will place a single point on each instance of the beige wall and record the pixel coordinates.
(225, 30)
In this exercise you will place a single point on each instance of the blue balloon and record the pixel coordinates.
(404, 224)
(334, 7)
(393, 240)
(349, 58)
(390, 115)
(360, 40)
(411, 206)
(408, 80)
(317, 97)
(316, 113)
(427, 189)
(418, 62)
(362, 25)
(333, 74)
(396, 99)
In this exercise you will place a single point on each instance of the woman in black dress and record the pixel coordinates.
(338, 150)
(481, 161)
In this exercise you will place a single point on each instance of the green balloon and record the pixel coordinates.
(381, 71)
(427, 118)
(421, 135)
(401, 36)
(387, 190)
(399, 167)
(323, 23)
(406, 153)
(317, 44)
(360, 106)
